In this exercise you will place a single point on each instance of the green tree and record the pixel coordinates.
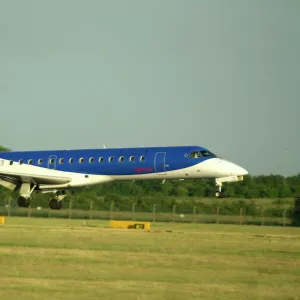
(4, 149)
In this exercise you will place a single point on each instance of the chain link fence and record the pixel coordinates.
(176, 214)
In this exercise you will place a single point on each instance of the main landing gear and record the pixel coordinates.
(56, 202)
(26, 190)
(23, 201)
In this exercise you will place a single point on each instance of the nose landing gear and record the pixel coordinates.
(219, 193)
(219, 182)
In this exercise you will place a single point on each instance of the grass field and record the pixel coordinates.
(75, 259)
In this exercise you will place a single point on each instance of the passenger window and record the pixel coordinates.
(121, 158)
(61, 160)
(11, 162)
(51, 160)
(131, 158)
(71, 160)
(40, 161)
(30, 161)
(92, 159)
(21, 161)
(101, 159)
(81, 160)
(111, 159)
(142, 158)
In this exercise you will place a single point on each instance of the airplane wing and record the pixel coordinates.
(33, 178)
(16, 175)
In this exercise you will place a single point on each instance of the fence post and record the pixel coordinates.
(262, 217)
(9, 207)
(133, 205)
(194, 214)
(70, 209)
(241, 216)
(218, 213)
(91, 210)
(29, 211)
(111, 210)
(174, 212)
(283, 218)
(154, 213)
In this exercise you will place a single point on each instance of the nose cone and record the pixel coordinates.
(217, 168)
(230, 168)
(237, 170)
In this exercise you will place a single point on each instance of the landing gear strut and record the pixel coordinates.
(219, 193)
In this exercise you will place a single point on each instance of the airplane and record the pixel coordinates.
(57, 171)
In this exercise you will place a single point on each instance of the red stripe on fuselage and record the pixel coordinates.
(141, 170)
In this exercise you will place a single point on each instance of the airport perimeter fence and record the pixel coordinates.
(282, 217)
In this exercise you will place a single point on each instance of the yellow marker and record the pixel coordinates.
(2, 220)
(130, 225)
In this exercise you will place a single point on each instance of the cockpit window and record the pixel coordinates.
(195, 154)
(202, 153)
(206, 153)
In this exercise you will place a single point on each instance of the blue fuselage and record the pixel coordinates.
(116, 161)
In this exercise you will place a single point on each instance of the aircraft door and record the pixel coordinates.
(52, 162)
(160, 162)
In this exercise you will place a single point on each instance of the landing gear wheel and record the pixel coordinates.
(219, 194)
(55, 204)
(23, 202)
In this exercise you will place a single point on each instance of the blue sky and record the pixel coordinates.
(220, 74)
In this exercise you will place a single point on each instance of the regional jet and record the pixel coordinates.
(57, 171)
